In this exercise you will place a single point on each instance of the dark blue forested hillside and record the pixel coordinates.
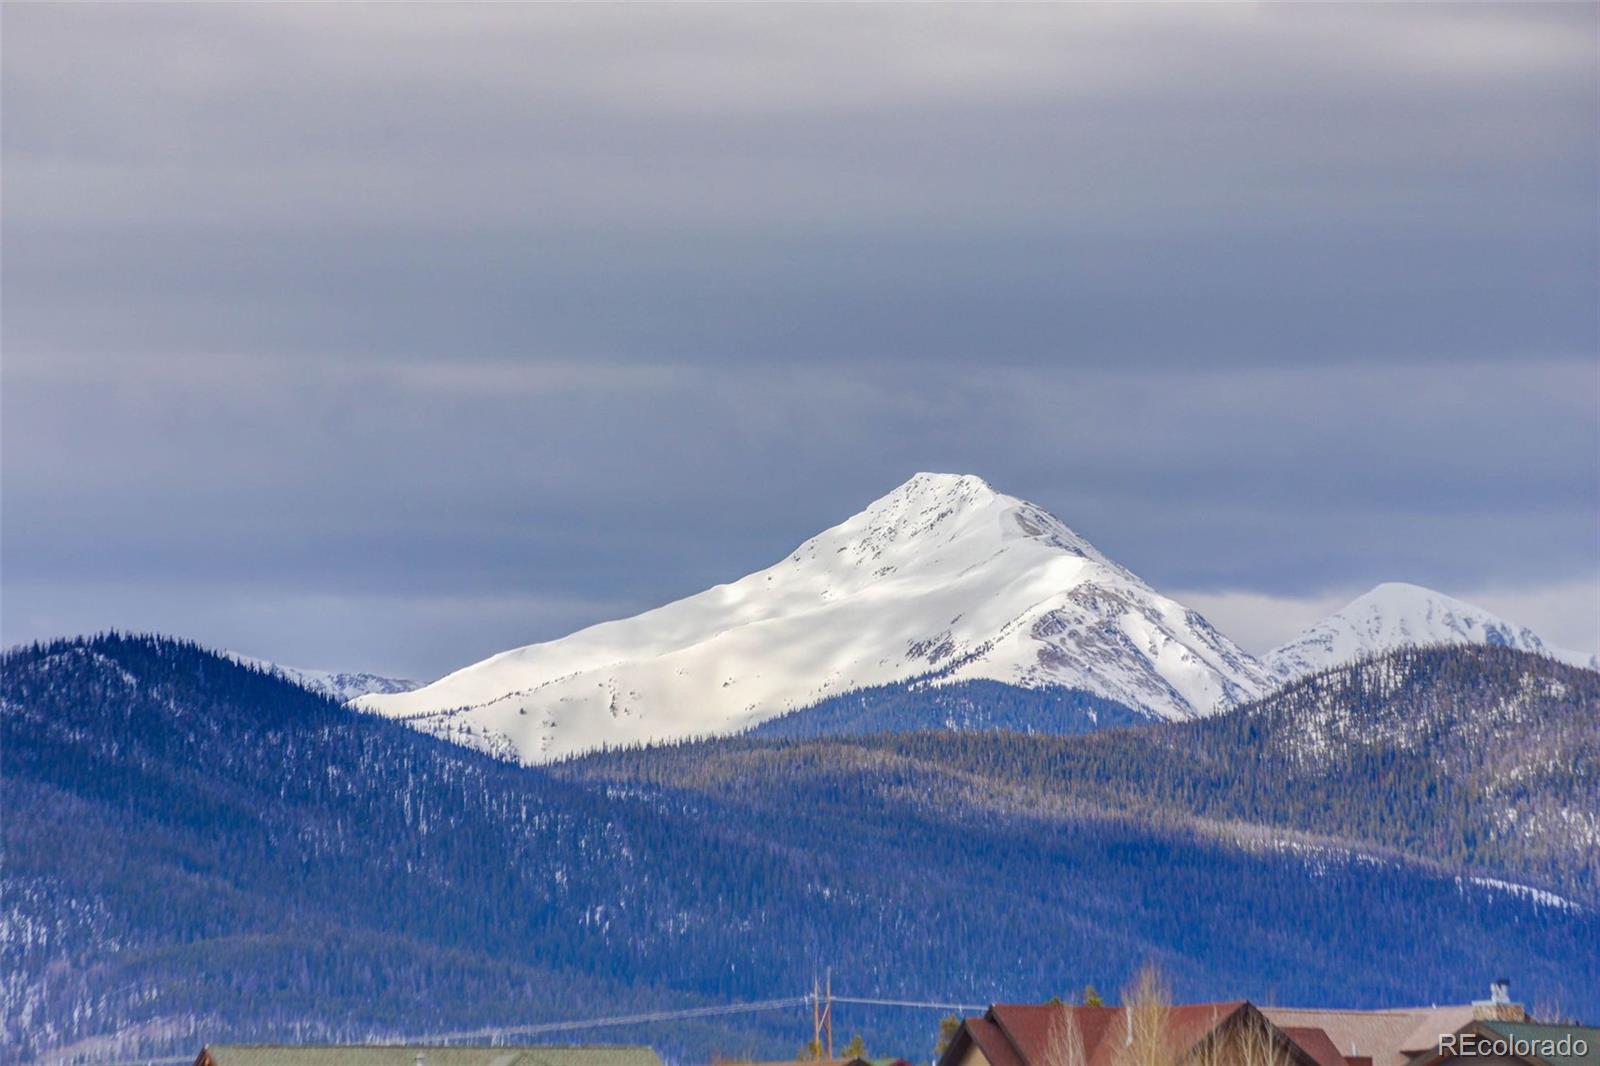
(965, 705)
(1485, 759)
(198, 844)
(198, 851)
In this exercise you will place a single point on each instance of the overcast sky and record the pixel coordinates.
(391, 336)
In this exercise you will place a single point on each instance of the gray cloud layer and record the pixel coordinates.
(393, 335)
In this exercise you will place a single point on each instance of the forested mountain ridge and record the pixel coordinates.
(195, 850)
(1479, 759)
(196, 847)
(1504, 747)
(961, 705)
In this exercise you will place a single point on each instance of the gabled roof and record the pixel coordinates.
(1022, 1034)
(1028, 1027)
(990, 1040)
(1317, 1044)
(1388, 1037)
(1192, 1023)
(418, 1055)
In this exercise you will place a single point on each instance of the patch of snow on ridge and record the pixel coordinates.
(944, 578)
(1528, 892)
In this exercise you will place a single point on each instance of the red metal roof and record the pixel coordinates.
(1029, 1027)
(992, 1042)
(1022, 1034)
(1317, 1044)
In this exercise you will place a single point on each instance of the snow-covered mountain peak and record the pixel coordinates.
(930, 520)
(942, 579)
(337, 685)
(1396, 614)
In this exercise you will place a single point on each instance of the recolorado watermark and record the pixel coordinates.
(1472, 1045)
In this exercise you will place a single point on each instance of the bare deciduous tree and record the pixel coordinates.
(1253, 1042)
(1064, 1045)
(1147, 1014)
(1260, 1044)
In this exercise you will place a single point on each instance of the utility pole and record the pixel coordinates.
(827, 1014)
(816, 1019)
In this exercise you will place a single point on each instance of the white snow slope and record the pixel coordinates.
(1395, 615)
(338, 686)
(943, 577)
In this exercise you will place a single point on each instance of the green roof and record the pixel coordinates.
(1584, 1045)
(420, 1055)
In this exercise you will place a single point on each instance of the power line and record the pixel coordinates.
(908, 1003)
(496, 1034)
(596, 1023)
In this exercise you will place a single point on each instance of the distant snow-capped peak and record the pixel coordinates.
(943, 579)
(1395, 615)
(343, 687)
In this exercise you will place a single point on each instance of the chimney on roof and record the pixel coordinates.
(1498, 1007)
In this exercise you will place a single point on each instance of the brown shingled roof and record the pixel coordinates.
(1388, 1037)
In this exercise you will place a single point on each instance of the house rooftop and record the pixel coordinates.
(1387, 1037)
(1544, 1043)
(424, 1055)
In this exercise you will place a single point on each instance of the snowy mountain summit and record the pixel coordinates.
(1395, 615)
(943, 579)
(336, 685)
